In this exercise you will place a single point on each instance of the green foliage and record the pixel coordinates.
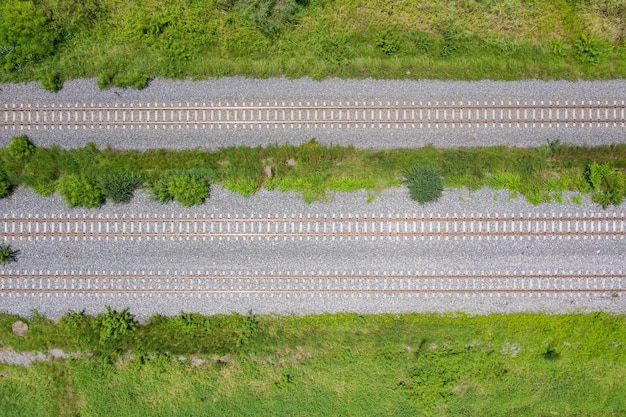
(78, 190)
(388, 42)
(114, 324)
(425, 184)
(119, 186)
(589, 49)
(5, 184)
(188, 190)
(26, 35)
(245, 186)
(51, 81)
(159, 191)
(334, 48)
(20, 148)
(7, 254)
(595, 173)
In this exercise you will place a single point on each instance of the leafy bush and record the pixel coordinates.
(51, 81)
(188, 190)
(245, 186)
(5, 184)
(114, 324)
(25, 34)
(78, 190)
(595, 173)
(590, 50)
(388, 42)
(159, 192)
(7, 254)
(425, 184)
(119, 186)
(21, 148)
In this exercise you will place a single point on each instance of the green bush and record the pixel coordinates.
(7, 254)
(26, 35)
(114, 324)
(388, 42)
(51, 81)
(425, 184)
(595, 173)
(20, 148)
(159, 192)
(188, 190)
(5, 184)
(590, 50)
(119, 186)
(78, 190)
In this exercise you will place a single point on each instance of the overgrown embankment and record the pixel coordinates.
(338, 364)
(89, 176)
(127, 43)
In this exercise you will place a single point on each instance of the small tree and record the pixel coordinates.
(77, 190)
(188, 190)
(425, 185)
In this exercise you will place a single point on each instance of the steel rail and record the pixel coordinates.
(366, 226)
(15, 283)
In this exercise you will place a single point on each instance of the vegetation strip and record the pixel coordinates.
(348, 364)
(89, 176)
(128, 43)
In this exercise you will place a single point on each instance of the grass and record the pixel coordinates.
(127, 43)
(338, 364)
(539, 174)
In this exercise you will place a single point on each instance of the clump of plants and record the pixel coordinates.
(114, 324)
(425, 184)
(7, 254)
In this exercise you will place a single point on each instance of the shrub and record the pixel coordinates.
(425, 184)
(78, 190)
(51, 81)
(590, 50)
(25, 33)
(114, 324)
(7, 254)
(21, 148)
(388, 42)
(119, 186)
(595, 173)
(159, 192)
(188, 190)
(5, 184)
(245, 186)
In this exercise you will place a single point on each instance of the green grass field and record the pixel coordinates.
(129, 42)
(540, 174)
(317, 365)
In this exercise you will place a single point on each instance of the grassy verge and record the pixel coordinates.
(340, 364)
(88, 176)
(127, 43)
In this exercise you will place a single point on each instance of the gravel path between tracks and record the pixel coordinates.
(240, 90)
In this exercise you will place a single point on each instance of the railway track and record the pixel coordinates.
(332, 283)
(318, 227)
(324, 115)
